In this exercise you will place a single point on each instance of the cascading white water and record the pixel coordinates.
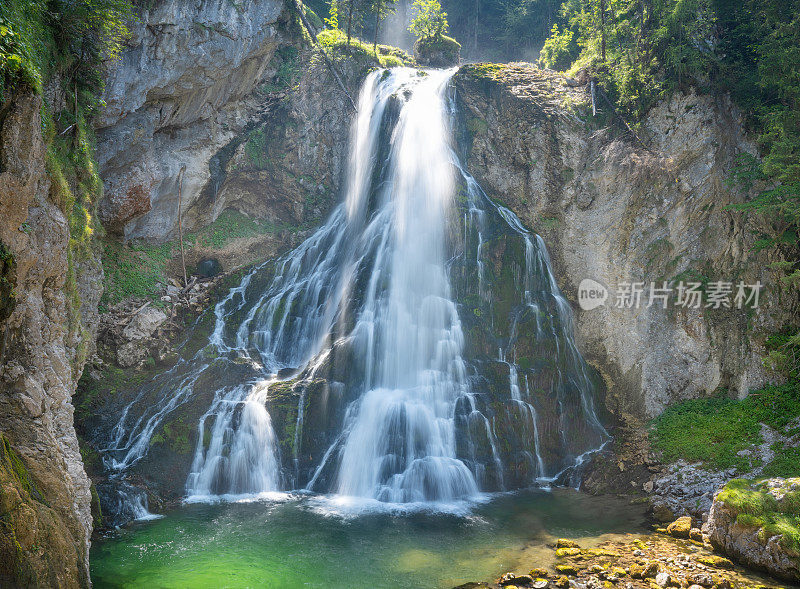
(400, 445)
(375, 284)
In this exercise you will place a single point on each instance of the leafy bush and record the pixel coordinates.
(335, 42)
(559, 48)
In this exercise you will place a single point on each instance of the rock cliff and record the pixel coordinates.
(751, 523)
(47, 319)
(180, 92)
(616, 211)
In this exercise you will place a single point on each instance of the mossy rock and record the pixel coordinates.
(438, 51)
(680, 528)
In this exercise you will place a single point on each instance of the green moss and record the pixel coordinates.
(489, 71)
(477, 126)
(754, 506)
(438, 43)
(714, 430)
(97, 510)
(176, 435)
(13, 465)
(8, 297)
(334, 42)
(91, 393)
(256, 148)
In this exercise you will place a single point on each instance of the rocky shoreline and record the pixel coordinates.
(746, 528)
(658, 560)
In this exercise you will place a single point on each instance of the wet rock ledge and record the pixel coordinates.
(677, 556)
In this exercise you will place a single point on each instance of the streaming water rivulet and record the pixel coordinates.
(420, 330)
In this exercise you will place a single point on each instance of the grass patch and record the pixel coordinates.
(140, 270)
(713, 430)
(755, 506)
(287, 73)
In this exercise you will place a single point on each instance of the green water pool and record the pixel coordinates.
(306, 541)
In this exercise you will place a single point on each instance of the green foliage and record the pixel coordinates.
(335, 42)
(381, 9)
(714, 430)
(39, 38)
(288, 70)
(7, 280)
(755, 506)
(558, 49)
(638, 50)
(332, 21)
(444, 46)
(429, 21)
(256, 148)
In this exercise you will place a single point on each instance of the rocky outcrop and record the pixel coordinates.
(437, 51)
(752, 523)
(686, 489)
(45, 518)
(178, 95)
(617, 212)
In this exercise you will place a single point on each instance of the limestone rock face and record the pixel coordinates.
(754, 545)
(174, 99)
(613, 211)
(44, 491)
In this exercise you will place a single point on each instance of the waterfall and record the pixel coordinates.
(400, 445)
(396, 307)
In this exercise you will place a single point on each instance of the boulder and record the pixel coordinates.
(438, 51)
(680, 528)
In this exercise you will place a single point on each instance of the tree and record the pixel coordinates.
(333, 16)
(382, 9)
(430, 21)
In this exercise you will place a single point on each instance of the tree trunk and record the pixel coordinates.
(475, 28)
(350, 5)
(603, 29)
(377, 24)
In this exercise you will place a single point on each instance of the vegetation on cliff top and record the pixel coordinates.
(640, 51)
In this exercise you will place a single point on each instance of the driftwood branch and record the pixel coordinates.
(325, 57)
(596, 88)
(180, 221)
